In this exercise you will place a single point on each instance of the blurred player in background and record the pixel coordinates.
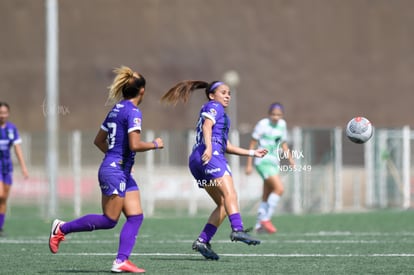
(208, 164)
(119, 137)
(9, 137)
(269, 133)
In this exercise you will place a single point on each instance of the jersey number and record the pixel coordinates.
(111, 135)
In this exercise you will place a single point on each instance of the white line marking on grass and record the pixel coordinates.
(348, 233)
(242, 255)
(290, 241)
(22, 241)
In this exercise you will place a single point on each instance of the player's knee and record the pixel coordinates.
(221, 209)
(230, 200)
(230, 197)
(136, 218)
(109, 223)
(278, 189)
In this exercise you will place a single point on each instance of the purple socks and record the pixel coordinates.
(128, 236)
(210, 230)
(207, 233)
(88, 223)
(236, 222)
(92, 222)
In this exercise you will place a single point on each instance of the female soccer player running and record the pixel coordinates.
(208, 163)
(9, 137)
(119, 138)
(269, 133)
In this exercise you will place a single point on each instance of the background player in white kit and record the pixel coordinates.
(269, 133)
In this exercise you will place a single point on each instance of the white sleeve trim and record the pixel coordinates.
(17, 141)
(207, 115)
(134, 129)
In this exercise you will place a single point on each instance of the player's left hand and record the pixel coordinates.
(25, 174)
(206, 156)
(261, 152)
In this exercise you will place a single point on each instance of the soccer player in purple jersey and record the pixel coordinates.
(9, 137)
(208, 163)
(119, 137)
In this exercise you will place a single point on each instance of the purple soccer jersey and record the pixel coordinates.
(214, 111)
(115, 170)
(115, 178)
(217, 166)
(9, 136)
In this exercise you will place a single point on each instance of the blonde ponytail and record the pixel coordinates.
(123, 76)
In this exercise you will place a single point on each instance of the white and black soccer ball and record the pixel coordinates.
(359, 130)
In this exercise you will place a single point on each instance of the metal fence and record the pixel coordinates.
(331, 174)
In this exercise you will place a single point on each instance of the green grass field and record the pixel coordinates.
(365, 243)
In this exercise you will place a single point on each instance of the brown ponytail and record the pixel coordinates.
(182, 91)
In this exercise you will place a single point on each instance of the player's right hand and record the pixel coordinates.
(160, 143)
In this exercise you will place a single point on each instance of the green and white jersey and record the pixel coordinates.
(271, 137)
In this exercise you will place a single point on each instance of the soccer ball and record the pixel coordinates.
(359, 130)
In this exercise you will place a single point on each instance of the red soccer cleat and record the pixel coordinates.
(126, 266)
(56, 236)
(268, 226)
